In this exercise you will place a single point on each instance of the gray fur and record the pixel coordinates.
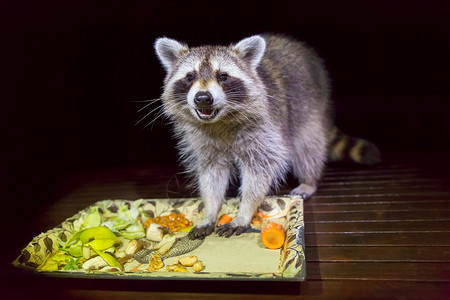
(271, 114)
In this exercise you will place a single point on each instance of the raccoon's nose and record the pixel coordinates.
(203, 98)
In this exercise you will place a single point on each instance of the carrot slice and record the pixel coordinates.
(272, 235)
(225, 219)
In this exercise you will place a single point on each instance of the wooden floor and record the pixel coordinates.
(382, 232)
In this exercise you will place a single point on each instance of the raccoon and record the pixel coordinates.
(261, 106)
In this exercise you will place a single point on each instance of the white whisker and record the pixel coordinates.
(160, 114)
(149, 113)
(146, 100)
(147, 105)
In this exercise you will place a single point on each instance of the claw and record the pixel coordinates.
(228, 230)
(201, 232)
(241, 229)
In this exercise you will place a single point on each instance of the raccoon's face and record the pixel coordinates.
(209, 83)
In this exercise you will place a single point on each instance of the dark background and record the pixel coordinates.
(72, 69)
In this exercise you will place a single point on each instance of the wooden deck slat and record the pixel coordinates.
(376, 170)
(378, 199)
(378, 194)
(376, 189)
(378, 254)
(400, 227)
(379, 271)
(379, 239)
(381, 182)
(392, 176)
(387, 206)
(311, 289)
(380, 216)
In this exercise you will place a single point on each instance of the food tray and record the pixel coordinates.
(236, 258)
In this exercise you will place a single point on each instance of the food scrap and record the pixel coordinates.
(173, 221)
(257, 218)
(198, 266)
(182, 264)
(272, 235)
(188, 261)
(155, 263)
(224, 219)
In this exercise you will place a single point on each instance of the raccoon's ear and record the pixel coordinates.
(251, 49)
(169, 51)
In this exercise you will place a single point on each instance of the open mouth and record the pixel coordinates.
(206, 113)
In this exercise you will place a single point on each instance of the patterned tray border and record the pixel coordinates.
(291, 265)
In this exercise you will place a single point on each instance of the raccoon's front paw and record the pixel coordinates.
(200, 232)
(231, 228)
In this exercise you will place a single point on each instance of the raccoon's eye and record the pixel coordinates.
(222, 77)
(190, 77)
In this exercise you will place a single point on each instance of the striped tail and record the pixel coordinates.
(345, 148)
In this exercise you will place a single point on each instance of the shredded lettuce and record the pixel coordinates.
(135, 231)
(93, 219)
(126, 222)
(89, 219)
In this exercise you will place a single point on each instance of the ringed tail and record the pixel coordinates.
(345, 148)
